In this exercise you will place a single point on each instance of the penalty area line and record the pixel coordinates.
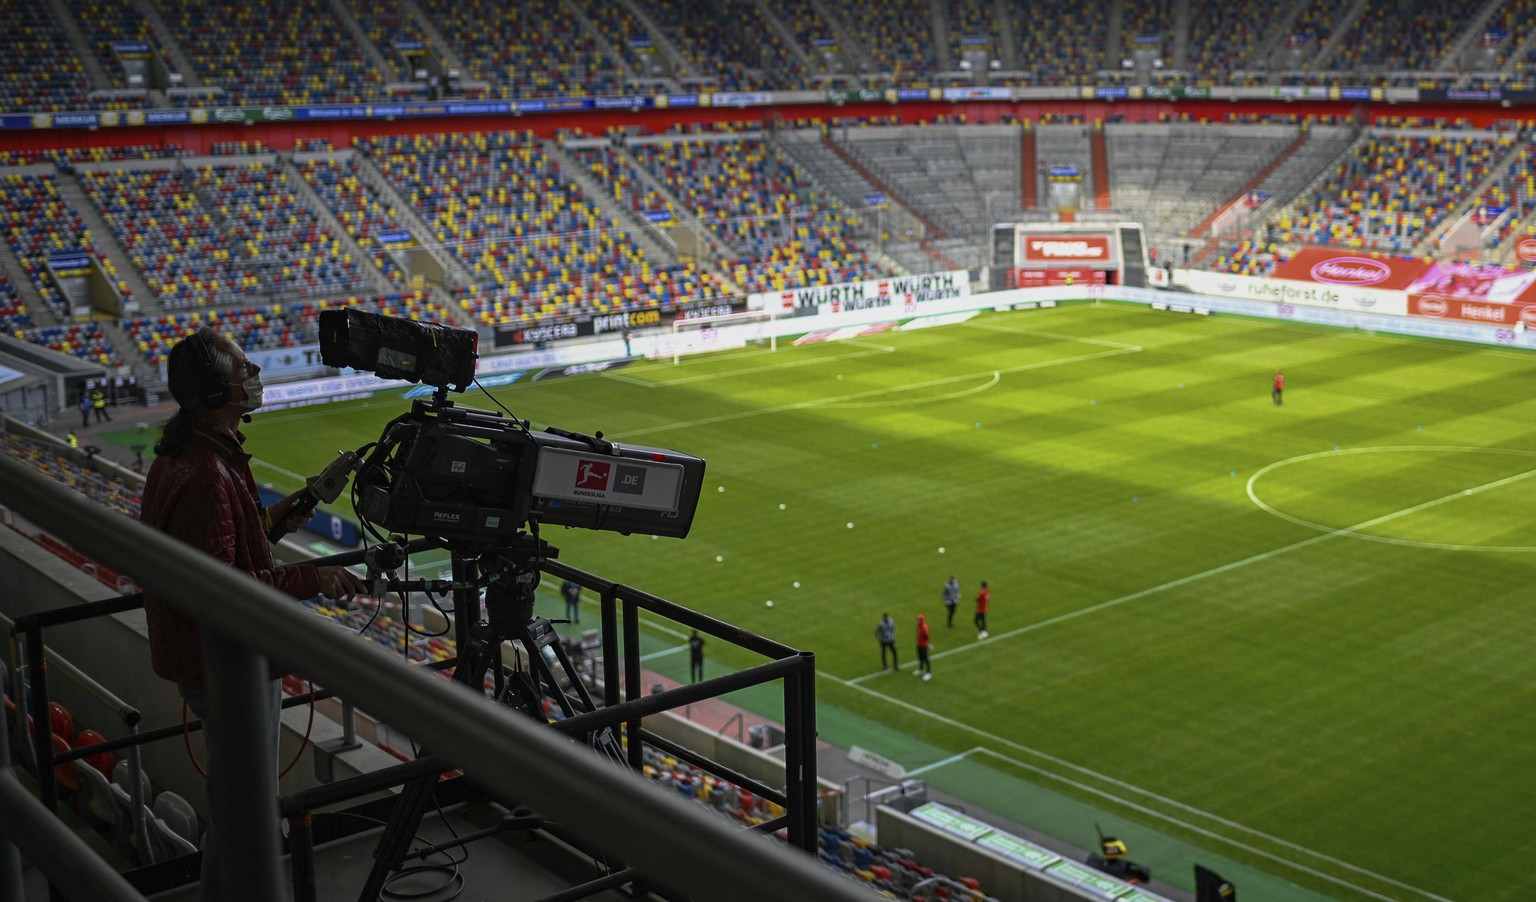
(1151, 812)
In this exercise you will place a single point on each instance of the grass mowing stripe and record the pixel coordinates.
(778, 366)
(1314, 697)
(1152, 812)
(874, 392)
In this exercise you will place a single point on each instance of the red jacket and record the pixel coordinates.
(206, 496)
(922, 631)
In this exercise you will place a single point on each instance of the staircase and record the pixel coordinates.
(943, 47)
(100, 80)
(1029, 178)
(1252, 185)
(440, 45)
(787, 37)
(1181, 35)
(680, 64)
(1114, 37)
(458, 275)
(1341, 27)
(892, 196)
(1475, 25)
(1100, 153)
(165, 37)
(641, 230)
(377, 282)
(1010, 40)
(41, 313)
(104, 242)
(1430, 242)
(386, 72)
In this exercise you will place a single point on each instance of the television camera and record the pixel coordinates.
(477, 476)
(484, 482)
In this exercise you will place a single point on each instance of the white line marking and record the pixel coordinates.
(990, 327)
(873, 349)
(1214, 571)
(887, 390)
(1253, 494)
(998, 740)
(997, 377)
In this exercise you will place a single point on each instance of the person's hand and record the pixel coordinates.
(339, 582)
(283, 513)
(295, 522)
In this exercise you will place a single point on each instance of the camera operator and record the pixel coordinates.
(200, 489)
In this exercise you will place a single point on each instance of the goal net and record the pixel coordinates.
(703, 334)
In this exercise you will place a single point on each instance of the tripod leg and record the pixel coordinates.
(603, 740)
(396, 841)
(416, 795)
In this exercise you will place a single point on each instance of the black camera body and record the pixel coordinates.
(476, 476)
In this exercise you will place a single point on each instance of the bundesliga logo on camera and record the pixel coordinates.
(602, 476)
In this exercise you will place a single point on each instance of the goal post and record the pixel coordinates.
(702, 334)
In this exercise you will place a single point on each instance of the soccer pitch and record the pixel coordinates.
(1300, 636)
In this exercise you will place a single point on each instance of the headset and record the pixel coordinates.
(213, 390)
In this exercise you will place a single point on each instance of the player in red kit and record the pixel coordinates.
(983, 600)
(924, 669)
(1279, 389)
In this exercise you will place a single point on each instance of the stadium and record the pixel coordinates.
(1192, 332)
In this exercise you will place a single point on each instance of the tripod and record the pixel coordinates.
(513, 574)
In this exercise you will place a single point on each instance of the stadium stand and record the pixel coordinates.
(40, 71)
(83, 340)
(1224, 37)
(1397, 36)
(384, 24)
(1392, 190)
(1505, 207)
(40, 223)
(157, 217)
(222, 234)
(13, 311)
(1173, 176)
(729, 44)
(105, 24)
(530, 49)
(274, 233)
(51, 460)
(897, 35)
(631, 41)
(784, 230)
(815, 36)
(1061, 42)
(312, 51)
(357, 205)
(1148, 23)
(967, 21)
(1249, 258)
(285, 51)
(537, 247)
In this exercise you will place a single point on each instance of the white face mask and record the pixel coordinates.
(253, 392)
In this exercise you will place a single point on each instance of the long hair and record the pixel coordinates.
(187, 376)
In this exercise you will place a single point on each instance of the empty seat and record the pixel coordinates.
(176, 812)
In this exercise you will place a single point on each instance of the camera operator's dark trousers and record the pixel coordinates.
(891, 647)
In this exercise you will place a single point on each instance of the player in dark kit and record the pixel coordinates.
(1278, 393)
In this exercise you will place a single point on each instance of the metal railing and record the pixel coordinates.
(678, 845)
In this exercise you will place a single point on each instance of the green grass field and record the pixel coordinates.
(1301, 637)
